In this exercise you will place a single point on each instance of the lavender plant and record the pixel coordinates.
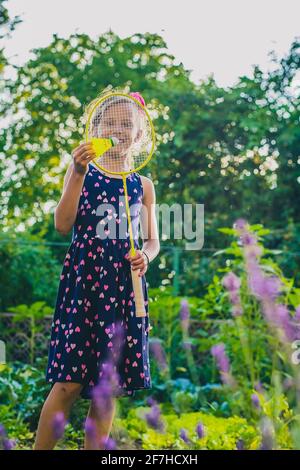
(264, 307)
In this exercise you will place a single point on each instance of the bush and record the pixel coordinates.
(219, 433)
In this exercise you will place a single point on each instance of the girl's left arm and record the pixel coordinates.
(151, 245)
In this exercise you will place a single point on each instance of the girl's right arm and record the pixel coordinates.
(66, 210)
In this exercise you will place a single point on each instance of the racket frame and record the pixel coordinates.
(143, 108)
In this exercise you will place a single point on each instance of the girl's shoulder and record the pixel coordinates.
(145, 178)
(147, 185)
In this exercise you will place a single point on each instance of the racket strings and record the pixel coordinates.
(122, 119)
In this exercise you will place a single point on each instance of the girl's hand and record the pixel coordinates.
(82, 155)
(139, 261)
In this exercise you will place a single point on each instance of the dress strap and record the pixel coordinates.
(139, 179)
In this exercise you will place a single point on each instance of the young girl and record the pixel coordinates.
(95, 293)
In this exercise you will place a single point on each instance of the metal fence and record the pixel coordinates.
(22, 342)
(29, 345)
(179, 261)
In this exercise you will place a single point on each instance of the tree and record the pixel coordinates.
(7, 25)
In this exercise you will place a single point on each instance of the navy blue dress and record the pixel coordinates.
(95, 293)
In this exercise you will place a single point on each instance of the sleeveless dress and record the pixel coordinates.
(95, 292)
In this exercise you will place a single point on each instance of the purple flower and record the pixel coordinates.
(200, 430)
(158, 353)
(253, 252)
(184, 315)
(288, 383)
(2, 431)
(109, 373)
(231, 282)
(258, 387)
(234, 297)
(248, 239)
(153, 418)
(283, 320)
(108, 386)
(267, 440)
(108, 443)
(255, 401)
(90, 428)
(237, 311)
(183, 435)
(297, 314)
(218, 352)
(59, 424)
(109, 380)
(8, 444)
(240, 224)
(184, 311)
(264, 288)
(117, 340)
(102, 395)
(150, 401)
(240, 444)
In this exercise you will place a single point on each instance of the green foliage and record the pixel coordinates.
(34, 311)
(23, 388)
(29, 272)
(15, 427)
(277, 409)
(220, 433)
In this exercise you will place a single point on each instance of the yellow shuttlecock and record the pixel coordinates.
(101, 145)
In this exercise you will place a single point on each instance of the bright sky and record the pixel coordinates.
(223, 37)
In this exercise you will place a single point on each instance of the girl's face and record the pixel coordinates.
(120, 120)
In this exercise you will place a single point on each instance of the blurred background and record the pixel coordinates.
(221, 80)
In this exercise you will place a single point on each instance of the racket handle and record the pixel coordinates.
(137, 285)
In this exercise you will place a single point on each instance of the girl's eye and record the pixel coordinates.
(128, 124)
(111, 123)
